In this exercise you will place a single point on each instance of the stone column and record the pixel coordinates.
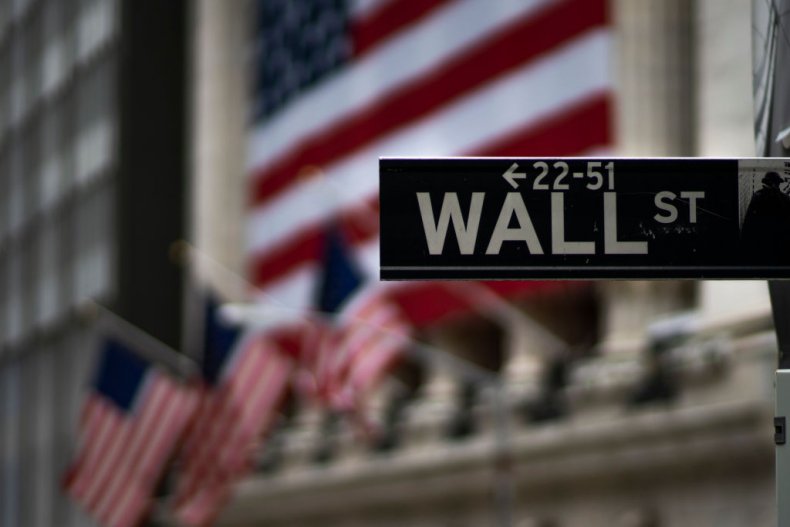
(218, 140)
(725, 125)
(655, 102)
(654, 77)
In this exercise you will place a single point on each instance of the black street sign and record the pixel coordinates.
(574, 218)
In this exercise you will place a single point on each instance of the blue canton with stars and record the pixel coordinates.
(120, 374)
(297, 44)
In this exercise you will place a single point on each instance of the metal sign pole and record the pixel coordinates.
(780, 304)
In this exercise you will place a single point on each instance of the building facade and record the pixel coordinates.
(92, 186)
(664, 420)
(123, 129)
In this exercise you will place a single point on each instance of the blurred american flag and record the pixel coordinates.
(339, 83)
(244, 379)
(131, 422)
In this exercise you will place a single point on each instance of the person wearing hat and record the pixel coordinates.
(766, 228)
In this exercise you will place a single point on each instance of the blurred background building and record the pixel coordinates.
(126, 126)
(93, 176)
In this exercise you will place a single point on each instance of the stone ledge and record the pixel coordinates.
(648, 442)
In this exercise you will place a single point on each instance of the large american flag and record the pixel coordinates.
(245, 376)
(340, 83)
(131, 421)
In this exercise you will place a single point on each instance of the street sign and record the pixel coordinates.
(574, 218)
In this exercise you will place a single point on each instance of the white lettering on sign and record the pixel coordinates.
(525, 232)
(465, 233)
(466, 230)
(611, 244)
(663, 201)
(558, 243)
(692, 197)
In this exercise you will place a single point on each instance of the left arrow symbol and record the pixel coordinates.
(511, 175)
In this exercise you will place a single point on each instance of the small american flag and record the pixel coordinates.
(130, 424)
(339, 83)
(373, 335)
(245, 378)
(356, 336)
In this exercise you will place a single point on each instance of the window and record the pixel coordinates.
(42, 480)
(18, 7)
(16, 188)
(52, 164)
(95, 122)
(48, 282)
(28, 301)
(33, 56)
(14, 288)
(5, 90)
(19, 98)
(5, 194)
(4, 18)
(94, 235)
(54, 64)
(95, 26)
(67, 395)
(31, 178)
(9, 399)
(4, 301)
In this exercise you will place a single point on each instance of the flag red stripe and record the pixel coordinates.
(521, 42)
(429, 303)
(560, 135)
(373, 29)
(581, 127)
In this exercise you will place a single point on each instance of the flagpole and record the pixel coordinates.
(143, 343)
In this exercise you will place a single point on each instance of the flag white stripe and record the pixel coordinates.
(414, 52)
(477, 119)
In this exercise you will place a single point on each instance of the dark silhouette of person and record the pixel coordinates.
(766, 228)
